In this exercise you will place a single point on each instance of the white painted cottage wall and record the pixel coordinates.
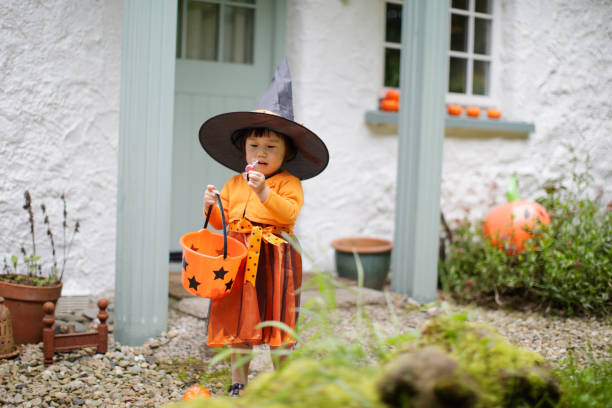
(59, 118)
(555, 71)
(335, 52)
(59, 115)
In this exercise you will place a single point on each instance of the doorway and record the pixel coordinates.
(226, 55)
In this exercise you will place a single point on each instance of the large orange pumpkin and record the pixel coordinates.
(511, 222)
(196, 391)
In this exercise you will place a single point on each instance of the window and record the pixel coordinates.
(470, 54)
(393, 43)
(216, 30)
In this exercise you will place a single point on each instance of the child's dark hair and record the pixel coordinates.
(239, 140)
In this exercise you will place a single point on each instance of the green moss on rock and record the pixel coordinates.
(500, 374)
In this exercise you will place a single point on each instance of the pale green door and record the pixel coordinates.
(226, 55)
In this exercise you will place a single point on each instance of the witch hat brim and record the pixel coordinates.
(275, 112)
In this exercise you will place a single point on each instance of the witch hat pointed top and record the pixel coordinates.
(219, 134)
(278, 97)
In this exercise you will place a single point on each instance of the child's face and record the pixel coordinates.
(269, 150)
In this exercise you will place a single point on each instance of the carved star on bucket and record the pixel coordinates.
(185, 264)
(229, 284)
(220, 273)
(193, 283)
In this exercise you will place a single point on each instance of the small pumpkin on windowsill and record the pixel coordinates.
(390, 102)
(454, 110)
(513, 223)
(493, 113)
(472, 111)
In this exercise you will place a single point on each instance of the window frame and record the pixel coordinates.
(182, 14)
(385, 44)
(493, 58)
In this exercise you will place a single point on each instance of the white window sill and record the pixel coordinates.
(461, 126)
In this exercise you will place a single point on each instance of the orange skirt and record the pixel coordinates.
(232, 318)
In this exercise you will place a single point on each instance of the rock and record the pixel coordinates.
(133, 370)
(78, 401)
(36, 402)
(48, 375)
(91, 380)
(175, 286)
(63, 328)
(348, 297)
(91, 314)
(426, 378)
(194, 306)
(70, 318)
(503, 374)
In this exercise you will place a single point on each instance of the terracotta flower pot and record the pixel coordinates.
(375, 256)
(25, 303)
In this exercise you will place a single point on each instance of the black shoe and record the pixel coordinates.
(235, 389)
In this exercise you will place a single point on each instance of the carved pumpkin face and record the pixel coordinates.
(196, 391)
(512, 222)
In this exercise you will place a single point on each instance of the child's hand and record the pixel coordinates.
(210, 197)
(257, 182)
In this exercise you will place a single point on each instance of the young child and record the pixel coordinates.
(259, 204)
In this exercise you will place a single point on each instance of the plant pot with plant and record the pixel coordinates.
(25, 286)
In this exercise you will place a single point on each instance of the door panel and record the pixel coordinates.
(204, 89)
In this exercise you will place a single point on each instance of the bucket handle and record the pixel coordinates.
(223, 220)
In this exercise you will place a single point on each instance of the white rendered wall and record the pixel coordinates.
(335, 53)
(59, 78)
(59, 115)
(556, 72)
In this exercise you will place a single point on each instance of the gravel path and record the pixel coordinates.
(142, 376)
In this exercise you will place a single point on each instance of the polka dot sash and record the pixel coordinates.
(258, 233)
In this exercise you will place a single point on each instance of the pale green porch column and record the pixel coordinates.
(421, 131)
(145, 153)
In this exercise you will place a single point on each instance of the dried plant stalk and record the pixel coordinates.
(74, 232)
(50, 235)
(28, 207)
(64, 228)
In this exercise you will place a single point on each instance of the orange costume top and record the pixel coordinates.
(281, 208)
(266, 284)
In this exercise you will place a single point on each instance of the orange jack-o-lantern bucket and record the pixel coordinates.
(211, 260)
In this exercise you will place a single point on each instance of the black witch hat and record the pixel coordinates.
(275, 112)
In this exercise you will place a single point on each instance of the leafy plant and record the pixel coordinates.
(31, 270)
(567, 265)
(587, 387)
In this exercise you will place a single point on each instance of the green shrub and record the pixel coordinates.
(566, 267)
(588, 387)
